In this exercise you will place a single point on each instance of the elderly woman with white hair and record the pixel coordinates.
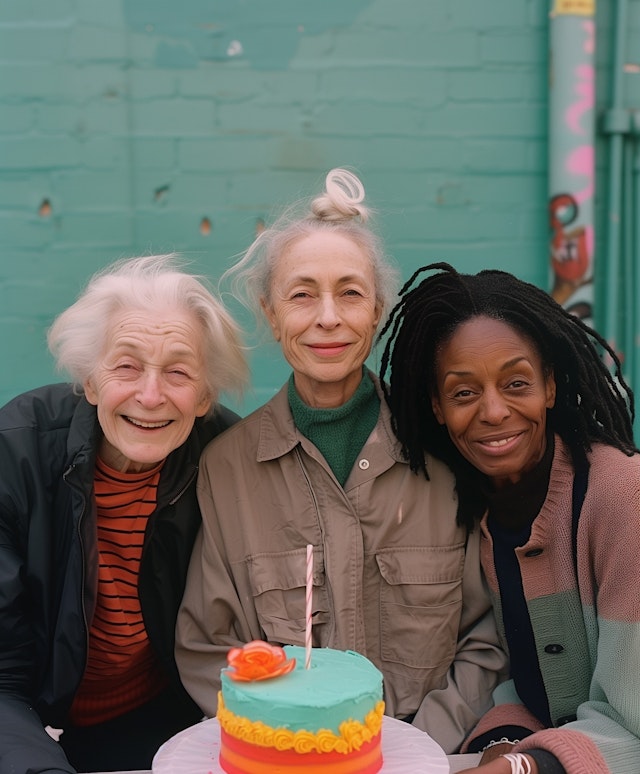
(98, 514)
(395, 578)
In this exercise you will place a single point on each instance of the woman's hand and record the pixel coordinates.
(499, 765)
(491, 753)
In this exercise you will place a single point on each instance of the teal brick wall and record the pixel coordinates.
(125, 123)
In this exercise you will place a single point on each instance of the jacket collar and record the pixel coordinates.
(278, 434)
(84, 439)
(84, 436)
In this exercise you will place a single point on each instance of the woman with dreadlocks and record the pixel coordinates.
(492, 376)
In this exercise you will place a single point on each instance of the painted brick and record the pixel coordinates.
(29, 44)
(19, 190)
(466, 119)
(474, 222)
(26, 230)
(494, 158)
(99, 13)
(24, 348)
(259, 118)
(84, 188)
(97, 81)
(136, 119)
(222, 152)
(482, 16)
(513, 47)
(162, 117)
(408, 13)
(104, 152)
(18, 12)
(358, 116)
(152, 153)
(96, 44)
(426, 87)
(190, 189)
(36, 152)
(19, 119)
(489, 85)
(153, 84)
(28, 81)
(96, 228)
(456, 49)
(82, 121)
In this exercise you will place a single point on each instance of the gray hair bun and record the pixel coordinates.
(342, 197)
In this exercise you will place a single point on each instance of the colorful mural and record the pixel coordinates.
(571, 152)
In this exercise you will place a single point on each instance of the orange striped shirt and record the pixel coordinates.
(122, 672)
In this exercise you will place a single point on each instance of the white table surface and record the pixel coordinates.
(459, 762)
(209, 730)
(456, 762)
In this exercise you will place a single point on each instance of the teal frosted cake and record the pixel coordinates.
(292, 719)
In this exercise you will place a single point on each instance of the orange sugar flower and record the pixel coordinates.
(258, 660)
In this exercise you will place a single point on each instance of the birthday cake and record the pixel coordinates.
(276, 715)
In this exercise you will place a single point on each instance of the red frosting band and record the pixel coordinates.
(239, 757)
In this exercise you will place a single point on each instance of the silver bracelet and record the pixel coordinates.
(520, 764)
(504, 740)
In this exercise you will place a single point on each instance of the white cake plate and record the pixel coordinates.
(405, 750)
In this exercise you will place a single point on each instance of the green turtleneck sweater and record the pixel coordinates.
(339, 433)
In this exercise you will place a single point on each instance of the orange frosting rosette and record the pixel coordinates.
(258, 660)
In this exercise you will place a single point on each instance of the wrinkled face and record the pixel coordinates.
(493, 395)
(323, 311)
(148, 387)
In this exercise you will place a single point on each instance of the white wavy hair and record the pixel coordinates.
(338, 209)
(78, 337)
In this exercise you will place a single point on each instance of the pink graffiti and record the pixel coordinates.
(589, 238)
(581, 162)
(585, 91)
(590, 42)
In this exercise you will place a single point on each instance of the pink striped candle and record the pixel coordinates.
(308, 610)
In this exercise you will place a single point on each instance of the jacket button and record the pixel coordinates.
(363, 464)
(534, 552)
(554, 648)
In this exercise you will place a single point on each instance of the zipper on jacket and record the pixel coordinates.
(177, 496)
(66, 477)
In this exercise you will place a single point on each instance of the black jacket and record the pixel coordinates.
(48, 563)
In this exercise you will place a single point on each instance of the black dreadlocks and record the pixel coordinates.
(591, 403)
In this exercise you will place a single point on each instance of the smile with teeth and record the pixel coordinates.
(147, 425)
(500, 442)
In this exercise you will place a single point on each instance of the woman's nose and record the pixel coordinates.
(494, 408)
(150, 392)
(328, 315)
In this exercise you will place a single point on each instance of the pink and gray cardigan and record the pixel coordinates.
(587, 633)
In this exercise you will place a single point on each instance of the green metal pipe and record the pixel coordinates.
(634, 281)
(616, 124)
(626, 317)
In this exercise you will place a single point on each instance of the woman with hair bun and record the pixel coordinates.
(98, 514)
(395, 578)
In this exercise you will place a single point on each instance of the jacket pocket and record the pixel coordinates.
(420, 604)
(278, 585)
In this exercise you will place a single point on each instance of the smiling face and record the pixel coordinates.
(493, 394)
(323, 311)
(148, 387)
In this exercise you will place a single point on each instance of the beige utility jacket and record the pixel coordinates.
(394, 577)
